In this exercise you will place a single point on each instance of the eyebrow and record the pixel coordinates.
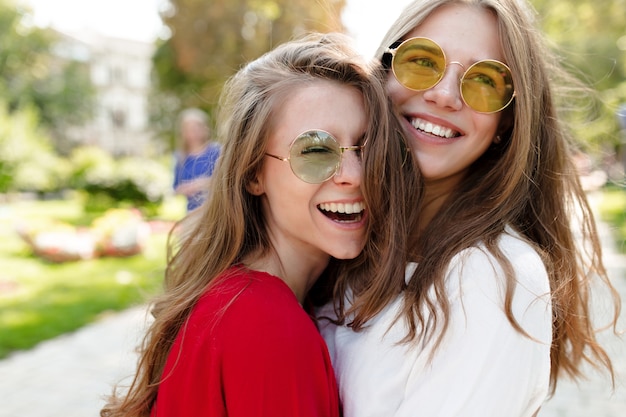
(431, 49)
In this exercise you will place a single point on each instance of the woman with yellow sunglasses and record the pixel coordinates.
(494, 304)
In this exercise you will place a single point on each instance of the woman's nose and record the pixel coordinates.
(447, 92)
(350, 169)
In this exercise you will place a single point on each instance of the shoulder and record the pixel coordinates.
(248, 310)
(212, 150)
(530, 270)
(214, 146)
(512, 245)
(246, 288)
(258, 290)
(528, 267)
(515, 246)
(478, 278)
(263, 308)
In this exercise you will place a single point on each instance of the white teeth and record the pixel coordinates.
(428, 127)
(345, 208)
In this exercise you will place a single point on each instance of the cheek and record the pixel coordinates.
(399, 94)
(487, 125)
(395, 90)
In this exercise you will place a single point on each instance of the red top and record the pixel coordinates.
(248, 349)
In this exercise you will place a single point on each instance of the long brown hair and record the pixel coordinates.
(230, 225)
(528, 182)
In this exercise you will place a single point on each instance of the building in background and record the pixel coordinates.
(120, 71)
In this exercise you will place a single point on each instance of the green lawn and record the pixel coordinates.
(612, 209)
(40, 300)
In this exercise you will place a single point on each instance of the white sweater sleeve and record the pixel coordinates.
(484, 367)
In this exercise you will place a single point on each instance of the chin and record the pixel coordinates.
(347, 252)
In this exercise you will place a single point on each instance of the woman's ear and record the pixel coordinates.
(255, 187)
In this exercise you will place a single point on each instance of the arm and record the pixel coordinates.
(192, 187)
(484, 367)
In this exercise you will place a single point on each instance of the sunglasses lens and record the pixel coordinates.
(418, 64)
(487, 86)
(315, 156)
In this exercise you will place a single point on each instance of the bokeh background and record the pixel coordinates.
(89, 95)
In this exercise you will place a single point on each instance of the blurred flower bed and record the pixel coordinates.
(117, 233)
(41, 298)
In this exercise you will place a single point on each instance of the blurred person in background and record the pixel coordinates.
(195, 157)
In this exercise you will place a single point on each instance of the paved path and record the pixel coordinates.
(593, 397)
(68, 376)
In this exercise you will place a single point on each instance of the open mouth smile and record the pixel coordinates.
(343, 212)
(433, 129)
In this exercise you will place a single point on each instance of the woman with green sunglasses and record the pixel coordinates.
(494, 304)
(233, 333)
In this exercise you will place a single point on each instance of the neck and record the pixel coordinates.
(436, 192)
(299, 271)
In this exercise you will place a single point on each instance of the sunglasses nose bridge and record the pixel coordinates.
(355, 148)
(446, 91)
(463, 69)
(353, 161)
(456, 75)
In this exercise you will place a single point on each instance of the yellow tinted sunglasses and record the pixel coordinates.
(420, 63)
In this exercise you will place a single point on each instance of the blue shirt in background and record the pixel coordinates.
(196, 166)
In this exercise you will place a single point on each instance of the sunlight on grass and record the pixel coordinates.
(40, 300)
(612, 209)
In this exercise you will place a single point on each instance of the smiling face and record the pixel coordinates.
(315, 220)
(445, 134)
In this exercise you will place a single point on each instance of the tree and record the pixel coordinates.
(32, 74)
(28, 161)
(211, 40)
(590, 37)
(592, 43)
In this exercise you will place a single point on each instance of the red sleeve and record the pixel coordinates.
(274, 361)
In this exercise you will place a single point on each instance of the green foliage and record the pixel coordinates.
(91, 165)
(66, 97)
(29, 163)
(587, 36)
(32, 74)
(27, 160)
(613, 210)
(110, 182)
(209, 44)
(591, 41)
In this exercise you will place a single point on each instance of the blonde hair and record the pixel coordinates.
(230, 225)
(527, 181)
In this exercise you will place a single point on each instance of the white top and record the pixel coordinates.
(483, 367)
